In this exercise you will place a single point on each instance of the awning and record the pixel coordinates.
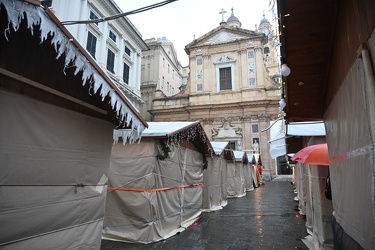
(279, 131)
(306, 129)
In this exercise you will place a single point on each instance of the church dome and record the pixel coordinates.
(264, 20)
(233, 21)
(232, 18)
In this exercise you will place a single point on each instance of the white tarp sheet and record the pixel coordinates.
(235, 176)
(351, 147)
(52, 161)
(311, 183)
(159, 198)
(215, 184)
(306, 129)
(277, 139)
(279, 132)
(249, 177)
(215, 180)
(321, 214)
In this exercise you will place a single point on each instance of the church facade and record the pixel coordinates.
(233, 87)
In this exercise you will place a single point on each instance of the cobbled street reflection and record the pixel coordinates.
(263, 219)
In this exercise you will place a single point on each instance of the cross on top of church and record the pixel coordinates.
(222, 12)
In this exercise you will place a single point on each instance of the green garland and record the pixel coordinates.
(198, 146)
(165, 149)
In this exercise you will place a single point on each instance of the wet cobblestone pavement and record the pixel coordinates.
(263, 219)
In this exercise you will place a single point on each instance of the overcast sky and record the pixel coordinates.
(180, 21)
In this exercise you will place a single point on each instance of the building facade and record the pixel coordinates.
(116, 45)
(161, 72)
(232, 87)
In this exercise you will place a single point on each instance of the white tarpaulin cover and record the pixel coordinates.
(279, 132)
(311, 183)
(253, 175)
(351, 148)
(53, 167)
(215, 179)
(235, 175)
(306, 128)
(150, 199)
(277, 139)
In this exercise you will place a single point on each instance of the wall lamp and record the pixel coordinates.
(285, 70)
(282, 102)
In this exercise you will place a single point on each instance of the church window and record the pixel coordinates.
(232, 145)
(199, 87)
(225, 78)
(266, 50)
(250, 54)
(252, 81)
(162, 83)
(199, 61)
(254, 128)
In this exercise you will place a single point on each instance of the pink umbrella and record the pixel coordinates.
(316, 154)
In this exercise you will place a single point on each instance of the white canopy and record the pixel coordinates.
(279, 131)
(306, 129)
(219, 146)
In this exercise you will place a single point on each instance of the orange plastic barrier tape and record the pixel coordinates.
(153, 190)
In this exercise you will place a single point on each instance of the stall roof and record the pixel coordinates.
(62, 73)
(166, 129)
(222, 148)
(240, 156)
(173, 132)
(251, 158)
(219, 146)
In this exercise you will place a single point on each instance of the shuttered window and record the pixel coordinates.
(91, 44)
(125, 76)
(225, 78)
(111, 61)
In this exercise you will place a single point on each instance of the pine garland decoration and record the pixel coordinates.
(165, 149)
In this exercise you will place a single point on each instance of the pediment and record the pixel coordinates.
(223, 37)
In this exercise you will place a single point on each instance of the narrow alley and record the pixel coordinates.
(263, 219)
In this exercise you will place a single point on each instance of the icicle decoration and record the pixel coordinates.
(35, 15)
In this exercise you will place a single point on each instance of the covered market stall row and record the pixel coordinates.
(159, 186)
